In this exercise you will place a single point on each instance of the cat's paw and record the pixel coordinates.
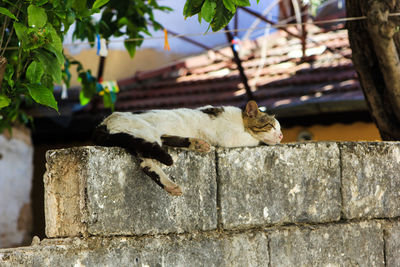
(199, 145)
(174, 190)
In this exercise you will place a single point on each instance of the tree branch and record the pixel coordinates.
(3, 64)
(8, 40)
(3, 31)
(11, 32)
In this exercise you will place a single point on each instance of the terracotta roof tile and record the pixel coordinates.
(283, 80)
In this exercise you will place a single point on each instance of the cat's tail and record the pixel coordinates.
(135, 145)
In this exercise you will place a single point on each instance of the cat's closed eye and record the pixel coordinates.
(263, 128)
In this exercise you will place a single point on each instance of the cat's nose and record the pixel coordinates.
(280, 136)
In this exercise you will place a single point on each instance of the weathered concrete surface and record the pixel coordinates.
(247, 249)
(392, 244)
(358, 244)
(101, 191)
(16, 170)
(64, 197)
(371, 180)
(279, 184)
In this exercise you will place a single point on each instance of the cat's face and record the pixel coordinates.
(260, 125)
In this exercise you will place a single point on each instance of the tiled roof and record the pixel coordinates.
(285, 81)
(287, 85)
(324, 89)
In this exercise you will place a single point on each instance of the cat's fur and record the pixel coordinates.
(195, 129)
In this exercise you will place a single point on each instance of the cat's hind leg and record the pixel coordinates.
(151, 168)
(190, 143)
(134, 145)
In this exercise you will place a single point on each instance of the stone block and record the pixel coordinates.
(358, 244)
(102, 191)
(246, 249)
(266, 185)
(392, 244)
(371, 180)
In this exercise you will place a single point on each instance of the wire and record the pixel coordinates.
(275, 26)
(264, 50)
(258, 20)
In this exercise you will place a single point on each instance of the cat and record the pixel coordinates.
(144, 134)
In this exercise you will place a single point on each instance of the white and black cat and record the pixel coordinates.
(144, 134)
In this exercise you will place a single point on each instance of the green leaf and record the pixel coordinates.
(99, 3)
(59, 55)
(107, 101)
(80, 7)
(41, 2)
(4, 101)
(208, 10)
(42, 95)
(37, 16)
(230, 5)
(50, 64)
(22, 32)
(130, 47)
(55, 38)
(69, 3)
(8, 13)
(8, 75)
(47, 80)
(243, 2)
(192, 7)
(88, 86)
(56, 44)
(35, 72)
(83, 99)
(221, 18)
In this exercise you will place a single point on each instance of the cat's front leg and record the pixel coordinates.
(190, 143)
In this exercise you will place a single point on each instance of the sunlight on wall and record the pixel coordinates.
(358, 131)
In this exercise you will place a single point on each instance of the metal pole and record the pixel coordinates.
(239, 66)
(304, 31)
(96, 98)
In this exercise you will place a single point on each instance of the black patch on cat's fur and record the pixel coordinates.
(213, 112)
(134, 145)
(175, 141)
(139, 112)
(153, 175)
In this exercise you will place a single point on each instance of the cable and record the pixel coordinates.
(276, 26)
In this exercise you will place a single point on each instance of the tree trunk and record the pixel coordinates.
(375, 47)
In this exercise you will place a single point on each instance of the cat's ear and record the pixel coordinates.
(252, 108)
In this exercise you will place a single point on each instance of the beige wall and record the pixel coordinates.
(358, 131)
(120, 65)
(16, 171)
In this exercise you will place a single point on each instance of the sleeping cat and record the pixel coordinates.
(144, 134)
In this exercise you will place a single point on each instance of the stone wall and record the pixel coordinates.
(311, 204)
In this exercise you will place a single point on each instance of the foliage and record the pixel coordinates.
(216, 12)
(31, 35)
(314, 4)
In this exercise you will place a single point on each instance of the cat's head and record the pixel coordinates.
(260, 125)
